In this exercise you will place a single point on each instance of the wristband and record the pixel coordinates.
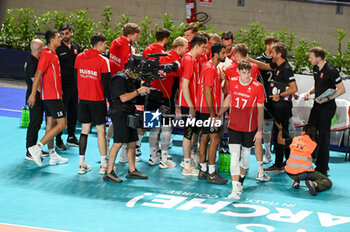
(328, 98)
(137, 92)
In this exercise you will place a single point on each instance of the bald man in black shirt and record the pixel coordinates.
(37, 111)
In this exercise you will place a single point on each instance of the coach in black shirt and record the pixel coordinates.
(280, 90)
(326, 77)
(67, 53)
(37, 111)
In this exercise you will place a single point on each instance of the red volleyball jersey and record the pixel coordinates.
(209, 77)
(119, 53)
(232, 55)
(243, 114)
(91, 66)
(202, 59)
(51, 84)
(232, 71)
(188, 70)
(151, 49)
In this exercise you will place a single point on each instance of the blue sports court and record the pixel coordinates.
(56, 198)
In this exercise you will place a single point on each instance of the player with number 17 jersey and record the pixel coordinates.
(243, 114)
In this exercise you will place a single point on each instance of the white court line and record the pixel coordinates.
(11, 110)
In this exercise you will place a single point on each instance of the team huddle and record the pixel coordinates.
(216, 81)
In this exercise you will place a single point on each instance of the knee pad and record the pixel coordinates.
(235, 150)
(245, 158)
(267, 126)
(165, 136)
(154, 133)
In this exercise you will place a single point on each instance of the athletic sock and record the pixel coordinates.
(187, 163)
(211, 169)
(164, 156)
(234, 184)
(260, 167)
(104, 161)
(82, 159)
(40, 145)
(203, 167)
(51, 151)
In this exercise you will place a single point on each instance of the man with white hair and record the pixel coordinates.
(37, 111)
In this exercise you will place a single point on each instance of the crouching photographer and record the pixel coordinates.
(124, 89)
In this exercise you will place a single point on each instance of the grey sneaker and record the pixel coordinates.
(112, 177)
(202, 175)
(274, 169)
(215, 178)
(136, 175)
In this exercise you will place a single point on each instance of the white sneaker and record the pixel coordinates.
(102, 170)
(153, 160)
(192, 163)
(167, 164)
(234, 196)
(84, 169)
(262, 177)
(137, 159)
(190, 172)
(35, 152)
(267, 159)
(236, 192)
(57, 159)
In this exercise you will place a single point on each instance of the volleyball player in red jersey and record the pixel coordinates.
(241, 53)
(228, 40)
(119, 53)
(166, 86)
(246, 102)
(190, 31)
(93, 76)
(209, 102)
(162, 37)
(49, 76)
(187, 97)
(120, 48)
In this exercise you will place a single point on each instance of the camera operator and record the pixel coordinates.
(124, 89)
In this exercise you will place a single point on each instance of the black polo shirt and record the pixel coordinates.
(325, 79)
(119, 85)
(265, 74)
(280, 81)
(67, 57)
(30, 67)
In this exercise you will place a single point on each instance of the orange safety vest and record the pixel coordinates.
(300, 159)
